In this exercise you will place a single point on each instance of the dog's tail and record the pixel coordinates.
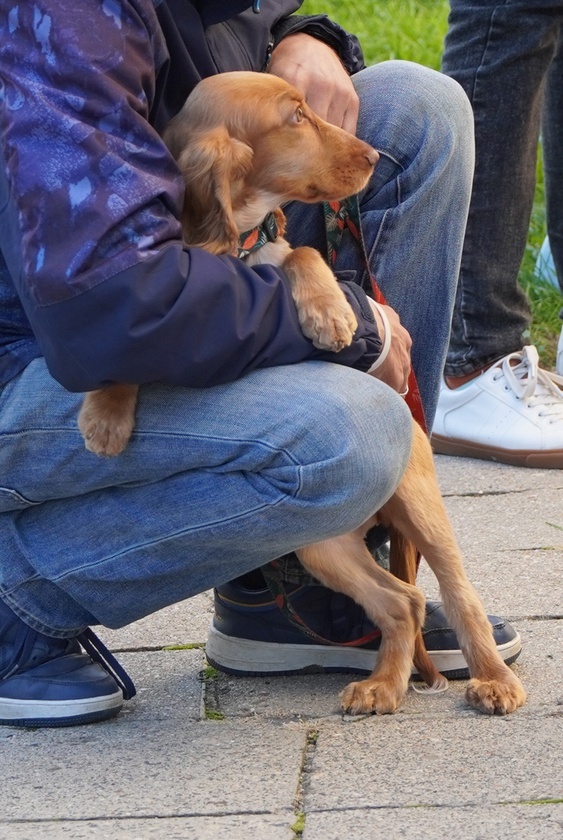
(403, 563)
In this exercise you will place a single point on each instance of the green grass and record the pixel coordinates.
(298, 826)
(408, 29)
(414, 30)
(208, 676)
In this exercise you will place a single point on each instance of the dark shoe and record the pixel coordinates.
(51, 682)
(251, 636)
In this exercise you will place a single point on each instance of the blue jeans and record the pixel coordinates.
(216, 482)
(508, 57)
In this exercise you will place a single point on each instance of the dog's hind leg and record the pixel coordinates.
(417, 510)
(344, 564)
(403, 564)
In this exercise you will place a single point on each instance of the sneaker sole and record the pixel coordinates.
(245, 657)
(54, 713)
(551, 459)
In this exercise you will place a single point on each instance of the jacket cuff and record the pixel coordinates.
(367, 331)
(321, 27)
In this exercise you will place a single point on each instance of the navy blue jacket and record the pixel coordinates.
(93, 271)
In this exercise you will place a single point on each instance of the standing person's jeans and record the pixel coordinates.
(217, 481)
(503, 53)
(552, 140)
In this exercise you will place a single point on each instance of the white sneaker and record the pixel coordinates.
(511, 413)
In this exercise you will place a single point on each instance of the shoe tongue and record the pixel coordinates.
(46, 649)
(523, 377)
(529, 382)
(25, 649)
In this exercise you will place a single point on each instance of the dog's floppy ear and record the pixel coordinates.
(210, 162)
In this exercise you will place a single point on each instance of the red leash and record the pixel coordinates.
(345, 215)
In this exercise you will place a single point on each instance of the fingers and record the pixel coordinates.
(316, 70)
(395, 368)
(334, 99)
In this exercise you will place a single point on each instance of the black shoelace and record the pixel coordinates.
(96, 649)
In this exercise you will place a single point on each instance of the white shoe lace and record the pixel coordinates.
(530, 383)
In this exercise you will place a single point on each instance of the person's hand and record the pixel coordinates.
(315, 69)
(394, 371)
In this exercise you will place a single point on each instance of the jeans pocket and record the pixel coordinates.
(11, 500)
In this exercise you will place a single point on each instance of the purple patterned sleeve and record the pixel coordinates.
(95, 189)
(89, 207)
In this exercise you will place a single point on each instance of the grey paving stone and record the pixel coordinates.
(406, 761)
(159, 768)
(230, 827)
(183, 623)
(168, 687)
(314, 698)
(526, 521)
(512, 540)
(538, 822)
(470, 475)
(301, 697)
(540, 666)
(513, 584)
(513, 551)
(157, 758)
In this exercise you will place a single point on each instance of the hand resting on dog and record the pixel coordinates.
(315, 68)
(395, 368)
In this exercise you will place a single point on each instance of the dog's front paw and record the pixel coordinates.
(498, 696)
(329, 328)
(371, 696)
(104, 438)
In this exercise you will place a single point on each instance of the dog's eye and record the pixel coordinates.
(298, 115)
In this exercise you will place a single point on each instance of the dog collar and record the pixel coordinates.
(251, 240)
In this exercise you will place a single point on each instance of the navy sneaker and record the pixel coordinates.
(51, 682)
(252, 636)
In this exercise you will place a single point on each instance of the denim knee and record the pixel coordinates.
(364, 440)
(252, 470)
(427, 98)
